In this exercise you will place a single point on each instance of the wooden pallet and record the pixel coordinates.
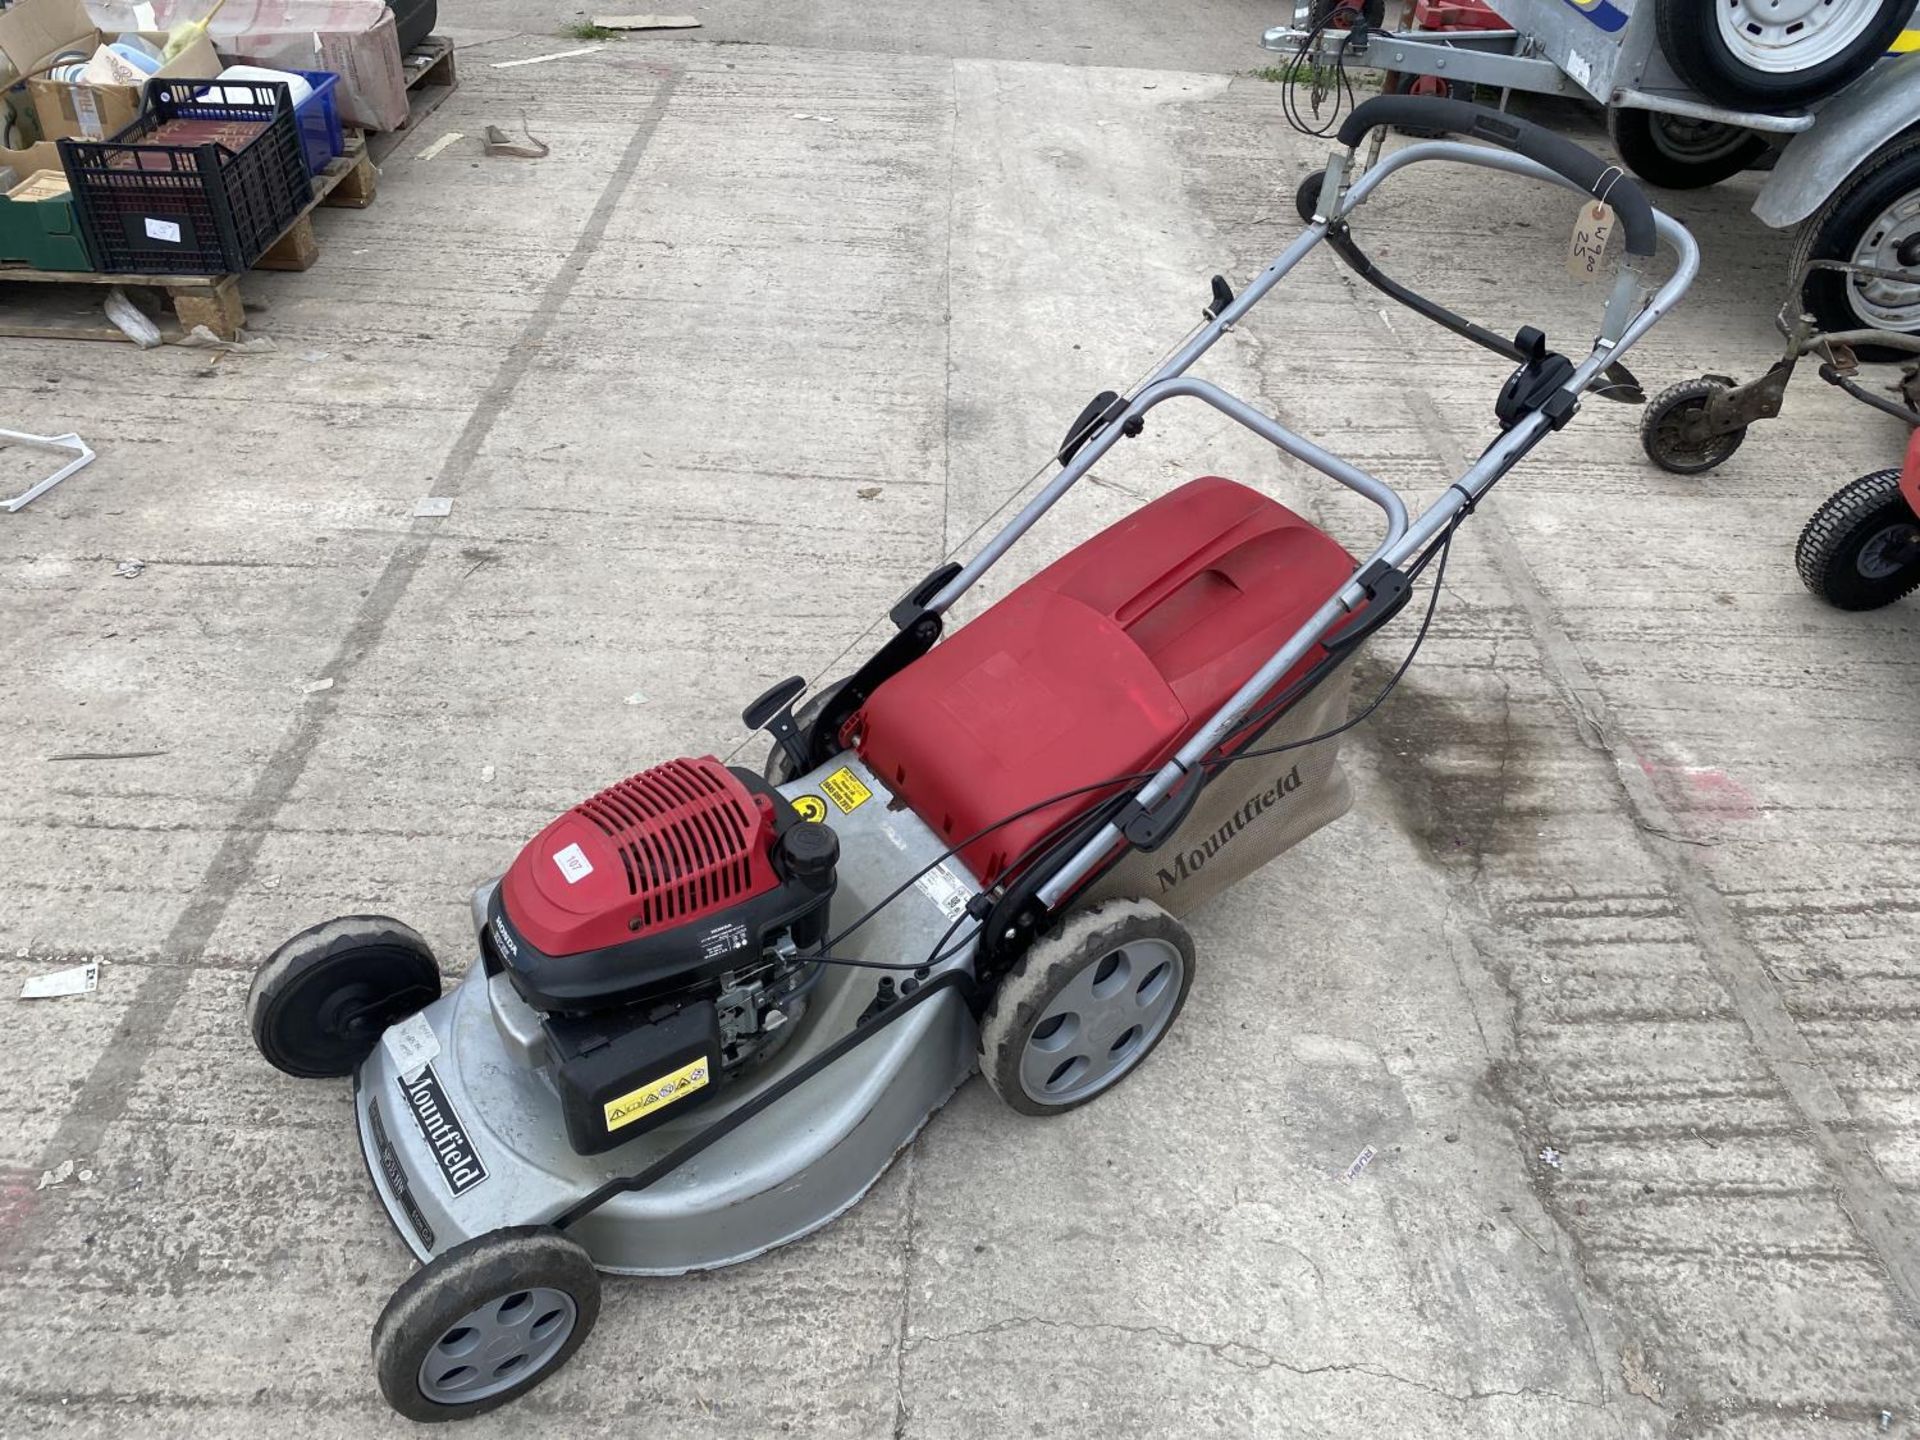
(431, 77)
(350, 180)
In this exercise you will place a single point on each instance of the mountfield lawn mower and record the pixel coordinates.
(712, 1005)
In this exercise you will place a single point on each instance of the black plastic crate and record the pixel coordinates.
(210, 208)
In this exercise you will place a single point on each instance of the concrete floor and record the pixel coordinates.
(1628, 877)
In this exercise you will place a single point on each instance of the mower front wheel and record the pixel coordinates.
(1085, 1006)
(1861, 549)
(484, 1323)
(320, 1003)
(1674, 429)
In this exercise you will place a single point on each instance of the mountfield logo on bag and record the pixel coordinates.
(1189, 863)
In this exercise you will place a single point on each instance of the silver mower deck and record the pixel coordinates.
(476, 1141)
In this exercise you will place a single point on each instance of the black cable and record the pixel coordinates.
(1304, 57)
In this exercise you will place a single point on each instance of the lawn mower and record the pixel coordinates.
(1861, 549)
(713, 1003)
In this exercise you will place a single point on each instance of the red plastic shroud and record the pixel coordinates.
(1910, 473)
(670, 845)
(1100, 665)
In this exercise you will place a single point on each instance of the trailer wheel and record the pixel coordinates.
(1340, 13)
(1673, 429)
(1861, 549)
(1873, 219)
(1677, 153)
(1776, 54)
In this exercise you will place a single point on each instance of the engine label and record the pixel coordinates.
(723, 940)
(573, 863)
(440, 1125)
(844, 789)
(637, 1104)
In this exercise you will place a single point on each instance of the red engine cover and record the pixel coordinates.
(667, 846)
(1100, 665)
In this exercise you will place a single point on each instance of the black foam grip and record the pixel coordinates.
(1585, 169)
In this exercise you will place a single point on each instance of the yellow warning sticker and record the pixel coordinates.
(810, 807)
(844, 789)
(636, 1104)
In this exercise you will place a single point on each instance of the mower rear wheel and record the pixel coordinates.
(1081, 1010)
(1861, 549)
(1673, 429)
(484, 1323)
(320, 1003)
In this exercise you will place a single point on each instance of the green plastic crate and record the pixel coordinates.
(42, 233)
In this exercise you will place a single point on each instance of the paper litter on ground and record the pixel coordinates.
(80, 980)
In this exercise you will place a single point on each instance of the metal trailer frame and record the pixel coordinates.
(1556, 48)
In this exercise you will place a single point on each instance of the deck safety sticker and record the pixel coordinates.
(844, 789)
(810, 807)
(573, 863)
(440, 1125)
(946, 890)
(651, 1096)
(411, 1044)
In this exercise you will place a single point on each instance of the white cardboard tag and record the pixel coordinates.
(1587, 251)
(165, 230)
(573, 863)
(411, 1044)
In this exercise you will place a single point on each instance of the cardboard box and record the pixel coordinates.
(37, 223)
(354, 39)
(33, 32)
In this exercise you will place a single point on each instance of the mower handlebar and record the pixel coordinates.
(1607, 183)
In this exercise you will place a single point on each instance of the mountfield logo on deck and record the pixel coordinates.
(444, 1134)
(1190, 863)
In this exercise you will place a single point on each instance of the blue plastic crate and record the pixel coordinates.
(319, 120)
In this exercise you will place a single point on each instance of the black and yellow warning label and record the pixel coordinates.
(844, 789)
(629, 1107)
(810, 807)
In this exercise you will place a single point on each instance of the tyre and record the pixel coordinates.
(320, 1003)
(484, 1323)
(1306, 197)
(780, 767)
(1427, 85)
(1873, 219)
(1676, 153)
(1081, 1010)
(1861, 549)
(1673, 429)
(1339, 12)
(1775, 54)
